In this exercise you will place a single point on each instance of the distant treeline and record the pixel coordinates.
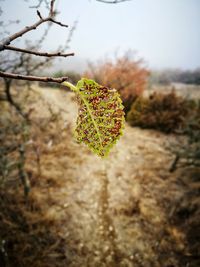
(175, 76)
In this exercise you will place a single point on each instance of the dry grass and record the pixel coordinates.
(84, 212)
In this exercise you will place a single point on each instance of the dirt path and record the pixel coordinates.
(115, 212)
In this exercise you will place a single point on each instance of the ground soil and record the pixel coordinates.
(126, 210)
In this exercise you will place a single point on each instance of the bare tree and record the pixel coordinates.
(5, 44)
(25, 63)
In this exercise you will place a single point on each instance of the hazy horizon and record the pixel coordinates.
(164, 33)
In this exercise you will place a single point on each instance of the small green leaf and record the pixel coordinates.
(100, 118)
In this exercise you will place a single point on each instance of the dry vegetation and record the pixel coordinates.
(127, 210)
(164, 112)
(127, 74)
(62, 206)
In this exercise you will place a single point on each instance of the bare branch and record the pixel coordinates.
(58, 22)
(39, 14)
(9, 98)
(41, 54)
(52, 13)
(16, 35)
(32, 78)
(23, 62)
(22, 174)
(25, 53)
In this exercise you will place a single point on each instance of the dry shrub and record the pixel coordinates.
(163, 112)
(30, 226)
(126, 74)
(186, 213)
(26, 238)
(188, 153)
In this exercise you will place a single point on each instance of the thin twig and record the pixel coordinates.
(16, 35)
(39, 14)
(22, 173)
(174, 163)
(32, 78)
(5, 45)
(52, 13)
(58, 22)
(41, 54)
(10, 99)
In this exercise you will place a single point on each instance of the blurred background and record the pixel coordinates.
(61, 205)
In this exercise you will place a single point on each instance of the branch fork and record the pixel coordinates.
(5, 45)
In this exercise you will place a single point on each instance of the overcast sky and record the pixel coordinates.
(166, 33)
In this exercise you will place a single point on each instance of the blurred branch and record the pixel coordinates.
(22, 173)
(42, 20)
(32, 78)
(58, 22)
(41, 54)
(174, 163)
(25, 60)
(10, 99)
(52, 13)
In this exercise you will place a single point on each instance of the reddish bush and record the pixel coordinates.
(126, 74)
